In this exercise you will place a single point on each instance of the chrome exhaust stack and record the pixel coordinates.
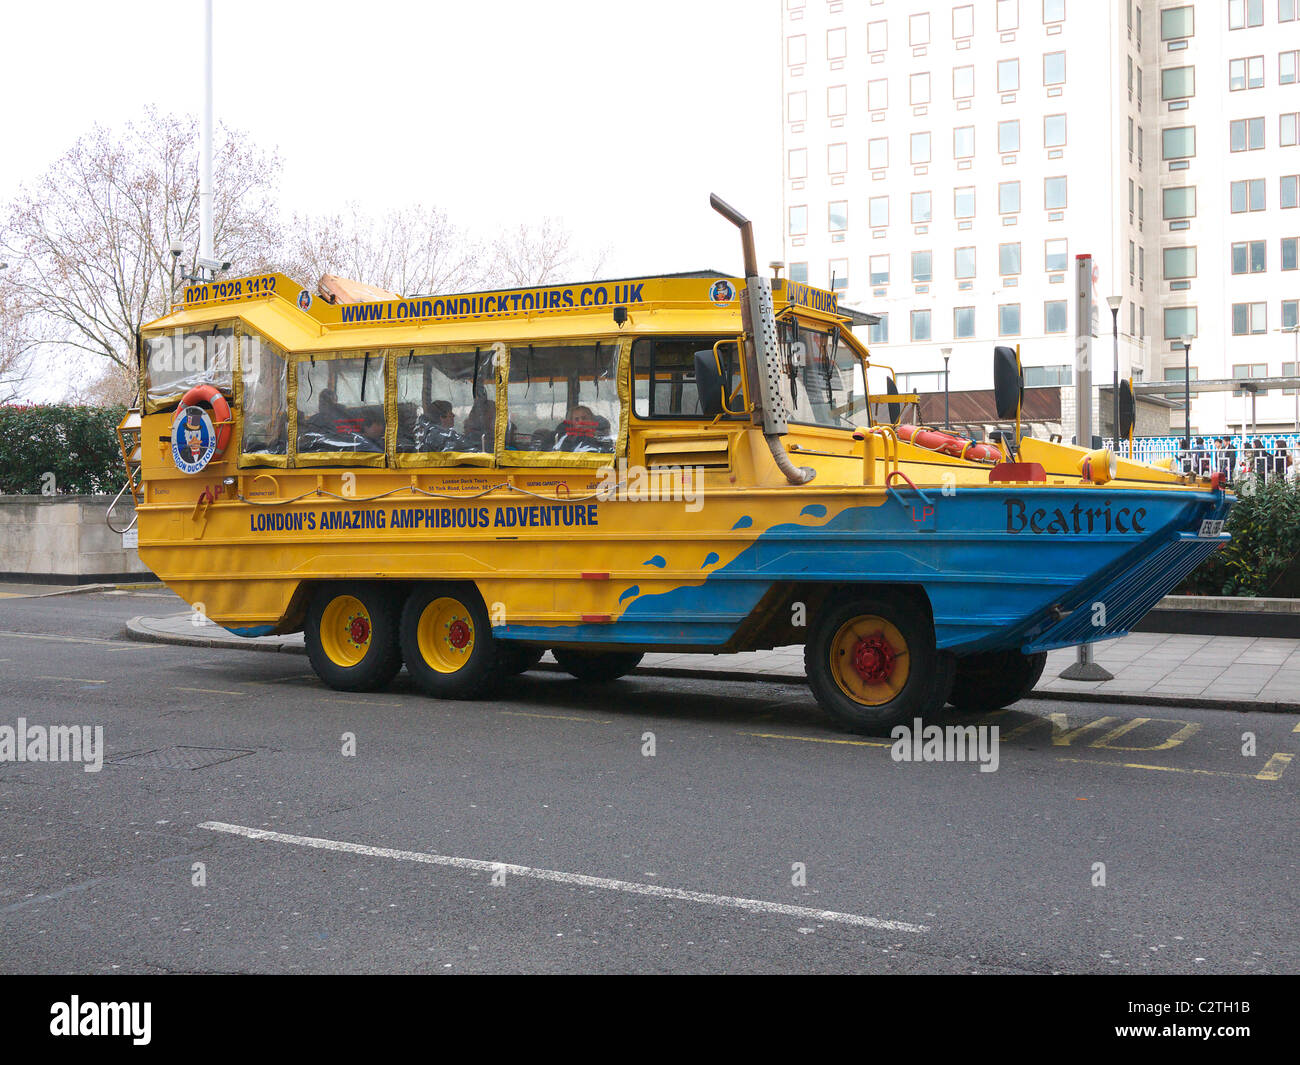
(762, 354)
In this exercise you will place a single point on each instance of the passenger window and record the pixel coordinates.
(446, 402)
(663, 377)
(177, 361)
(264, 376)
(563, 399)
(341, 404)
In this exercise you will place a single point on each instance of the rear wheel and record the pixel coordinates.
(872, 664)
(447, 641)
(516, 658)
(597, 666)
(995, 679)
(351, 636)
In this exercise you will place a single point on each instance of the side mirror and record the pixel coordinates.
(709, 384)
(1127, 410)
(895, 409)
(1008, 383)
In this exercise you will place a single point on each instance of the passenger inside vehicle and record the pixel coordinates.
(583, 430)
(436, 429)
(480, 426)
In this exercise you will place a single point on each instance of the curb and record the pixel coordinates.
(136, 631)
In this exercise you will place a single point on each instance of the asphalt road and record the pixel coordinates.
(924, 867)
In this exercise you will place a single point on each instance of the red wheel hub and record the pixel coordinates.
(359, 630)
(874, 659)
(458, 634)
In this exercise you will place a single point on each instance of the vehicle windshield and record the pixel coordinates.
(823, 381)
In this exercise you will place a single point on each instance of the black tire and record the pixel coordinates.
(516, 658)
(351, 636)
(854, 636)
(598, 667)
(994, 680)
(447, 641)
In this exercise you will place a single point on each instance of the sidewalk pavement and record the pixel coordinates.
(1216, 672)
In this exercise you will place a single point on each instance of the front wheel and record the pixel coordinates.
(995, 679)
(872, 664)
(597, 666)
(351, 636)
(447, 641)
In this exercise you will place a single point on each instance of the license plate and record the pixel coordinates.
(1211, 528)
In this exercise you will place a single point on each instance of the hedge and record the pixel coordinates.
(1265, 527)
(77, 445)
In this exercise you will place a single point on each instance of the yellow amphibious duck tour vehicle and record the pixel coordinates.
(684, 463)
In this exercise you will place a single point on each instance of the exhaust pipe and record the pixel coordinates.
(762, 355)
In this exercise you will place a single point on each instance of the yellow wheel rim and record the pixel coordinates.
(346, 630)
(869, 660)
(445, 635)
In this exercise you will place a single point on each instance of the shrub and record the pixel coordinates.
(1265, 527)
(77, 445)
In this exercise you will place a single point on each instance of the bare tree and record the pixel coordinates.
(539, 254)
(18, 340)
(88, 242)
(409, 250)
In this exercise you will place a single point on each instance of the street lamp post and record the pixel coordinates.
(947, 421)
(1187, 393)
(1114, 303)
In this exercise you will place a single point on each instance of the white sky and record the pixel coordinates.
(618, 118)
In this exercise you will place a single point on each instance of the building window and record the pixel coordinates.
(879, 209)
(796, 106)
(918, 29)
(963, 83)
(1286, 10)
(920, 148)
(796, 50)
(1054, 193)
(1053, 10)
(963, 202)
(1009, 136)
(1289, 129)
(1177, 22)
(1289, 253)
(1286, 67)
(799, 272)
(963, 323)
(1053, 131)
(877, 36)
(1008, 15)
(839, 274)
(920, 325)
(1246, 196)
(1180, 322)
(1180, 262)
(1055, 255)
(1250, 257)
(1179, 202)
(963, 263)
(837, 43)
(1177, 82)
(1246, 134)
(1289, 190)
(1246, 73)
(837, 100)
(1243, 14)
(1054, 68)
(1009, 259)
(1009, 320)
(963, 142)
(878, 153)
(920, 207)
(1178, 373)
(878, 333)
(1008, 75)
(880, 269)
(1178, 142)
(1290, 313)
(837, 158)
(963, 22)
(1055, 316)
(1246, 371)
(798, 221)
(922, 267)
(837, 216)
(798, 163)
(1008, 197)
(877, 94)
(919, 88)
(1249, 318)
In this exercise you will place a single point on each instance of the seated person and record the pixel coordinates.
(583, 430)
(435, 431)
(481, 426)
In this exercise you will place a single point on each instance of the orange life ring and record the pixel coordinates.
(947, 444)
(210, 396)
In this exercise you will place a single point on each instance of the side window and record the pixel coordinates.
(563, 398)
(341, 404)
(663, 376)
(446, 402)
(265, 378)
(177, 361)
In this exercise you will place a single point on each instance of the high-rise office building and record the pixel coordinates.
(945, 163)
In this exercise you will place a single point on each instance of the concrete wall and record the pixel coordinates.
(63, 539)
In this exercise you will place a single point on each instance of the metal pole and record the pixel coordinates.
(947, 420)
(1114, 430)
(1187, 394)
(205, 141)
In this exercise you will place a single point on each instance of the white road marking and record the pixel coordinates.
(576, 879)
